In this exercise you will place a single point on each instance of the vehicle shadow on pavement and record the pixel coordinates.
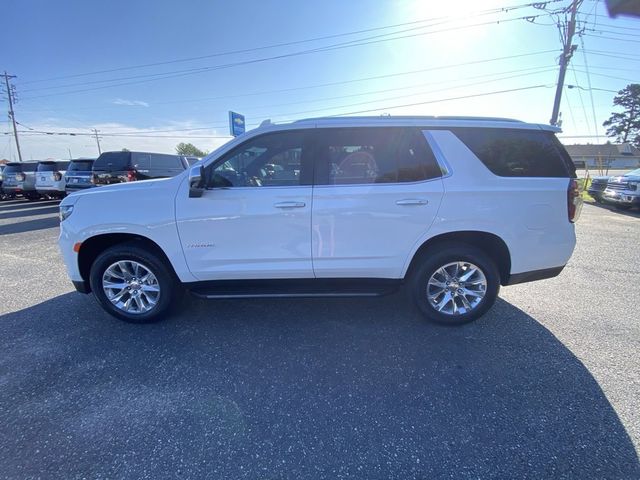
(42, 210)
(629, 213)
(298, 389)
(25, 204)
(29, 225)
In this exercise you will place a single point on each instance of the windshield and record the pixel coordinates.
(633, 173)
(80, 166)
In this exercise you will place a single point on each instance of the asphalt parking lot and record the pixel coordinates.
(547, 385)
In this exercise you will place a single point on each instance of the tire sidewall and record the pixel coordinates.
(441, 256)
(152, 263)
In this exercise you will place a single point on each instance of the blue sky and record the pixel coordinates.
(60, 51)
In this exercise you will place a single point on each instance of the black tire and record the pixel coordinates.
(441, 255)
(132, 251)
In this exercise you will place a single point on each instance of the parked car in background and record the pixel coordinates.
(119, 167)
(78, 175)
(597, 188)
(50, 178)
(19, 179)
(449, 208)
(624, 191)
(2, 195)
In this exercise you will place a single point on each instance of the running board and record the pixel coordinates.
(319, 287)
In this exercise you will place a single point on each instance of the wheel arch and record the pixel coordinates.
(490, 243)
(94, 246)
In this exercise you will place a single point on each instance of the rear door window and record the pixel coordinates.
(351, 156)
(166, 162)
(517, 153)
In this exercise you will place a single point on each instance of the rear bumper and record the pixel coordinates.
(52, 192)
(534, 275)
(77, 187)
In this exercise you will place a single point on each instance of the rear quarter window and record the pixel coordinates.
(517, 153)
(166, 162)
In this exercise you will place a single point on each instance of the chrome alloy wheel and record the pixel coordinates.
(131, 287)
(456, 288)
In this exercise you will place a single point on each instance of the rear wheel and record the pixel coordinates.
(132, 284)
(455, 284)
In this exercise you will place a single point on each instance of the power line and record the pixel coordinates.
(388, 107)
(297, 42)
(528, 71)
(593, 108)
(180, 73)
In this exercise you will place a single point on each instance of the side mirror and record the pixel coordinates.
(196, 181)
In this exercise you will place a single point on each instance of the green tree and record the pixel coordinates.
(189, 149)
(625, 126)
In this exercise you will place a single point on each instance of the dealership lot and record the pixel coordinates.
(546, 385)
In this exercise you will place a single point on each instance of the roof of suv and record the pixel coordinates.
(423, 121)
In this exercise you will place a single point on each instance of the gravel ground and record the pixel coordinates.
(546, 385)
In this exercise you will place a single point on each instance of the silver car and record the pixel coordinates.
(19, 179)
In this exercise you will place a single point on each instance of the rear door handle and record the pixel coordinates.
(412, 201)
(289, 205)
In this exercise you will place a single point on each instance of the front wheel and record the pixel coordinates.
(455, 284)
(132, 284)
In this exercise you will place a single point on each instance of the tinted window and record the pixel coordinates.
(268, 160)
(12, 169)
(47, 167)
(80, 166)
(62, 166)
(375, 155)
(29, 166)
(141, 161)
(112, 161)
(166, 162)
(516, 153)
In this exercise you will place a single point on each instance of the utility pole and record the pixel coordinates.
(95, 131)
(567, 52)
(10, 94)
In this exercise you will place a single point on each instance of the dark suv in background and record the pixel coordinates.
(118, 167)
(78, 175)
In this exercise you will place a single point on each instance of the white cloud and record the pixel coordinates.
(153, 139)
(130, 103)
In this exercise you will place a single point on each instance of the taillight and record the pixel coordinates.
(20, 177)
(57, 176)
(574, 200)
(131, 176)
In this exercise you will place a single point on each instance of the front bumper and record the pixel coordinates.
(622, 197)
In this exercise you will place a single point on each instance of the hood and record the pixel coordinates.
(140, 186)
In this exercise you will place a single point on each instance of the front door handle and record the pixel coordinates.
(289, 205)
(412, 201)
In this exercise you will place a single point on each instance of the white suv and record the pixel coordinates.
(451, 207)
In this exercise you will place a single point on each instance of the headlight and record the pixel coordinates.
(633, 185)
(65, 211)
